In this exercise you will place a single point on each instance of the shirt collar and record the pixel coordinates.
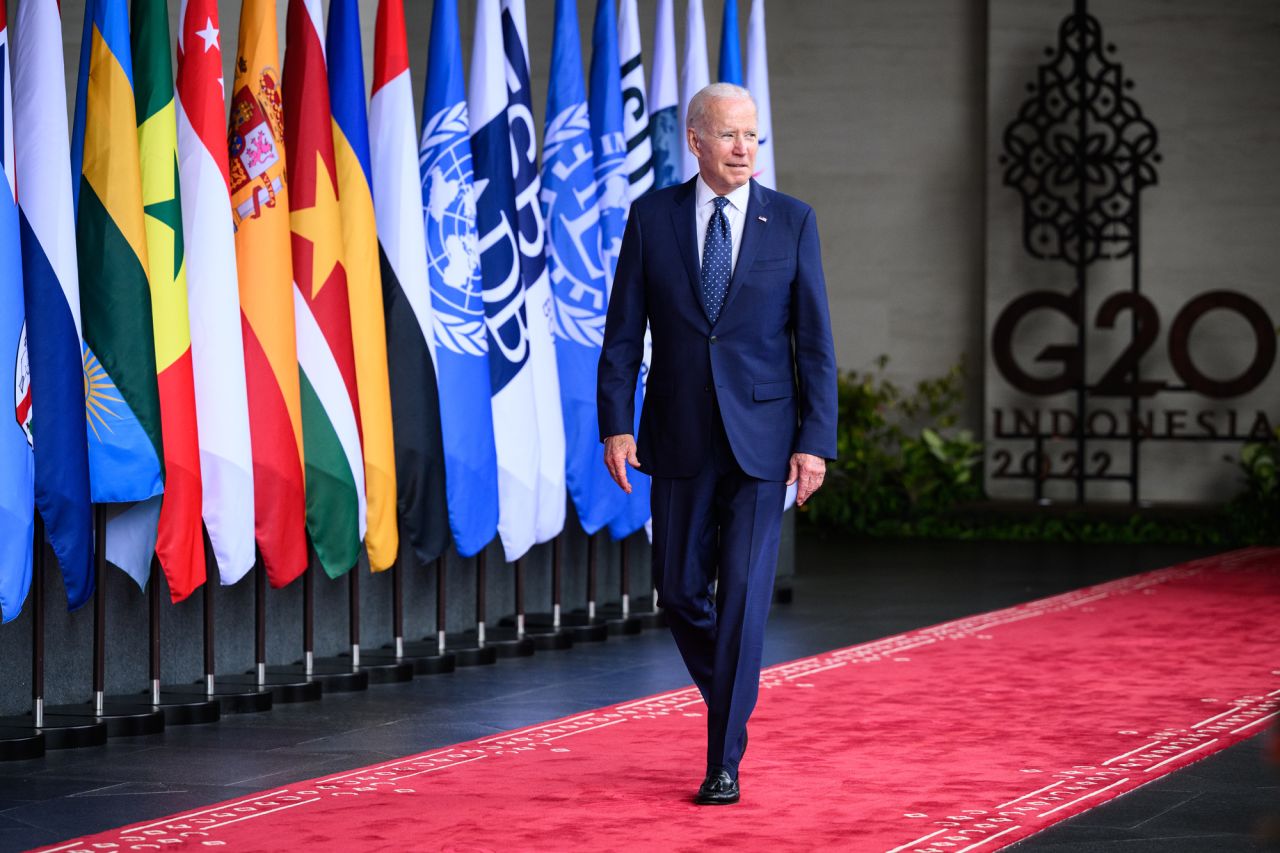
(738, 198)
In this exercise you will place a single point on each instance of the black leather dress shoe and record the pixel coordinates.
(718, 789)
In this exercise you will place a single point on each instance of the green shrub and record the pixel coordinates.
(905, 470)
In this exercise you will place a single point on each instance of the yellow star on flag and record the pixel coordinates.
(321, 225)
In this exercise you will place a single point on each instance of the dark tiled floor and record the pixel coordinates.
(846, 593)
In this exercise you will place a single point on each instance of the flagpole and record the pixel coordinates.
(482, 563)
(153, 614)
(441, 609)
(37, 623)
(26, 740)
(397, 608)
(237, 694)
(48, 731)
(469, 647)
(519, 580)
(335, 675)
(583, 625)
(121, 718)
(618, 616)
(260, 620)
(260, 689)
(545, 630)
(99, 609)
(210, 659)
(179, 708)
(308, 622)
(556, 580)
(423, 658)
(353, 608)
(509, 639)
(377, 668)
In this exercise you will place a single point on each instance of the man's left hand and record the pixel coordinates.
(809, 470)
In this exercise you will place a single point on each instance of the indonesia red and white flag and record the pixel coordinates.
(217, 348)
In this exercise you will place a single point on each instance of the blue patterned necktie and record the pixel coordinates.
(717, 261)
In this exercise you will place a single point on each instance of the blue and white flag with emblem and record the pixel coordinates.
(577, 272)
(515, 422)
(639, 170)
(453, 261)
(694, 76)
(533, 272)
(730, 67)
(635, 103)
(17, 464)
(51, 280)
(665, 131)
(609, 144)
(758, 83)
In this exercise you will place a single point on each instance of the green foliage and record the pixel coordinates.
(899, 454)
(1255, 513)
(905, 470)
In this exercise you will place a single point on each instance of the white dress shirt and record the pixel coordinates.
(735, 211)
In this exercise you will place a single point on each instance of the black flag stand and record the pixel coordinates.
(510, 639)
(28, 736)
(179, 709)
(469, 647)
(618, 617)
(545, 629)
(284, 688)
(428, 656)
(122, 718)
(586, 626)
(335, 675)
(231, 697)
(379, 668)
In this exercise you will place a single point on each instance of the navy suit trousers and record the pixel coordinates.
(718, 530)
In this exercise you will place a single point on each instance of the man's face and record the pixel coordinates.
(726, 145)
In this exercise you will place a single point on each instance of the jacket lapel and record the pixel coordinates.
(685, 224)
(753, 233)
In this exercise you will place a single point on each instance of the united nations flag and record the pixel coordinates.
(453, 259)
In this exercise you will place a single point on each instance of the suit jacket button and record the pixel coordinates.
(713, 339)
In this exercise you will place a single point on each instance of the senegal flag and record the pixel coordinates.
(121, 400)
(180, 543)
(260, 211)
(330, 404)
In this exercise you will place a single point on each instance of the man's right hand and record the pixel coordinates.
(619, 452)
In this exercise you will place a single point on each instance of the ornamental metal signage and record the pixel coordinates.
(1080, 154)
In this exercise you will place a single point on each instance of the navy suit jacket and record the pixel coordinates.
(768, 361)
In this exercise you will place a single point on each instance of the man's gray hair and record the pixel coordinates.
(700, 103)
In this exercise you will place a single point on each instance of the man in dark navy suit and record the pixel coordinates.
(740, 401)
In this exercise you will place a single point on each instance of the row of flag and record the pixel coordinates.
(313, 322)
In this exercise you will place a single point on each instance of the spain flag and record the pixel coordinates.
(260, 210)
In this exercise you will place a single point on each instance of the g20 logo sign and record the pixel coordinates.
(1118, 379)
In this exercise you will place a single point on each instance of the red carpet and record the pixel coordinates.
(966, 736)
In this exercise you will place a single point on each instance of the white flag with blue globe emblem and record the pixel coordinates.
(533, 271)
(515, 424)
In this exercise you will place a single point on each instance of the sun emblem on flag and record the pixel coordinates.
(22, 386)
(99, 394)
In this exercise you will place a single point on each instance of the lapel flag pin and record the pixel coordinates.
(762, 218)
